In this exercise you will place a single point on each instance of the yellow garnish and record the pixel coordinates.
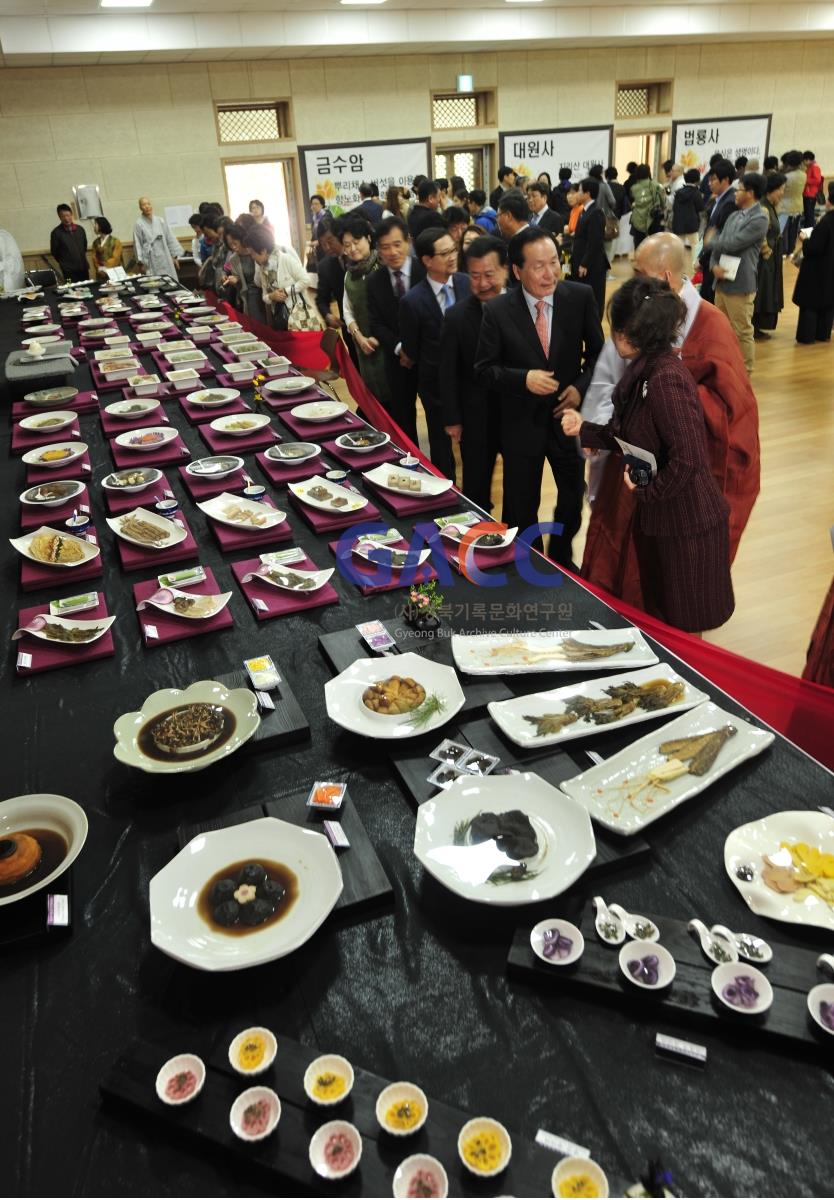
(251, 1054)
(483, 1151)
(404, 1114)
(329, 1086)
(578, 1185)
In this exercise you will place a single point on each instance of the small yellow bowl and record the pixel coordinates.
(324, 1065)
(238, 1043)
(401, 1094)
(485, 1127)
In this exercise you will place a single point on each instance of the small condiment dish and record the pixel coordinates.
(325, 1141)
(823, 993)
(321, 1068)
(407, 1098)
(245, 1044)
(645, 952)
(724, 977)
(420, 1169)
(178, 1065)
(561, 932)
(485, 1126)
(569, 1167)
(240, 1114)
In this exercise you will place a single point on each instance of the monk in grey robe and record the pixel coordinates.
(157, 250)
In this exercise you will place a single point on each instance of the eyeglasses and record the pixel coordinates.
(446, 253)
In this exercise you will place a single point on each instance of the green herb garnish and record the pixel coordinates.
(430, 707)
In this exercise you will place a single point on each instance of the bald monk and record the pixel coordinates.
(710, 350)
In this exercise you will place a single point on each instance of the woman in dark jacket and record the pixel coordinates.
(770, 292)
(682, 524)
(688, 205)
(814, 290)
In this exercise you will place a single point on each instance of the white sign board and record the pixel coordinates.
(87, 201)
(335, 172)
(176, 216)
(694, 142)
(529, 152)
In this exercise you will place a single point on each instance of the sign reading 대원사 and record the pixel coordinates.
(694, 142)
(529, 152)
(335, 172)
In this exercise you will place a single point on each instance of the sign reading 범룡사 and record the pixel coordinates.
(530, 152)
(695, 141)
(335, 172)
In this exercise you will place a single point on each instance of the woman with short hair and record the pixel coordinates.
(107, 250)
(278, 270)
(770, 292)
(257, 210)
(814, 290)
(357, 238)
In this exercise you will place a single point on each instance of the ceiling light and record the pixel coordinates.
(522, 1)
(125, 3)
(363, 2)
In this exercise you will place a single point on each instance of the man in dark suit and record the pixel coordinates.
(330, 281)
(538, 347)
(424, 214)
(386, 288)
(421, 321)
(722, 177)
(541, 215)
(369, 207)
(506, 180)
(471, 412)
(588, 263)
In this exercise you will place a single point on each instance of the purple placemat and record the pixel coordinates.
(111, 385)
(138, 558)
(483, 559)
(229, 539)
(281, 473)
(324, 522)
(283, 403)
(163, 391)
(158, 628)
(355, 461)
(227, 380)
(32, 516)
(112, 426)
(30, 439)
(175, 452)
(198, 415)
(119, 502)
(34, 576)
(306, 431)
(204, 487)
(267, 601)
(80, 469)
(84, 402)
(405, 506)
(94, 340)
(224, 443)
(47, 656)
(202, 368)
(375, 573)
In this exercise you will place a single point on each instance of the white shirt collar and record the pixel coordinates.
(531, 303)
(405, 269)
(585, 207)
(435, 286)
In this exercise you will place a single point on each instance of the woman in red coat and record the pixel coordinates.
(682, 527)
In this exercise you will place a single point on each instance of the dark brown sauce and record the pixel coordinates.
(149, 747)
(276, 871)
(54, 851)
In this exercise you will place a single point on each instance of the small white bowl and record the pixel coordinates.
(486, 1125)
(566, 930)
(269, 1054)
(727, 972)
(252, 1096)
(640, 949)
(579, 1166)
(327, 1064)
(62, 420)
(241, 372)
(256, 421)
(319, 1140)
(408, 1169)
(823, 992)
(406, 1093)
(174, 1066)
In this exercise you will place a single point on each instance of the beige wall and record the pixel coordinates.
(150, 128)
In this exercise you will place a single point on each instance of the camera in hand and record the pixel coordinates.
(639, 471)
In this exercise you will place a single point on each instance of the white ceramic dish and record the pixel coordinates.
(174, 534)
(241, 372)
(249, 350)
(183, 357)
(319, 1160)
(252, 1096)
(565, 930)
(105, 356)
(611, 792)
(22, 545)
(349, 441)
(214, 466)
(165, 597)
(37, 330)
(511, 715)
(343, 696)
(145, 477)
(279, 453)
(133, 439)
(823, 993)
(388, 475)
(288, 385)
(34, 458)
(238, 1042)
(227, 425)
(633, 951)
(179, 931)
(176, 1066)
(233, 336)
(165, 347)
(44, 811)
(531, 653)
(427, 1168)
(282, 577)
(69, 488)
(265, 515)
(328, 1064)
(486, 1125)
(44, 339)
(54, 421)
(401, 1093)
(725, 976)
(746, 847)
(574, 1165)
(145, 385)
(131, 410)
(212, 397)
(183, 379)
(566, 845)
(37, 628)
(51, 397)
(456, 534)
(354, 502)
(319, 410)
(387, 557)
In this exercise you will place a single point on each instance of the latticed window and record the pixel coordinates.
(454, 112)
(632, 102)
(252, 122)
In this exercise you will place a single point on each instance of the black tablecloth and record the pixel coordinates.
(420, 993)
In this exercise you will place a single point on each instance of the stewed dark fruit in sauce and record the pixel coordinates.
(246, 896)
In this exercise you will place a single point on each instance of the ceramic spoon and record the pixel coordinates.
(826, 962)
(609, 926)
(637, 927)
(716, 949)
(751, 948)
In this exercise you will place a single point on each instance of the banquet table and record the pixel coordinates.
(418, 991)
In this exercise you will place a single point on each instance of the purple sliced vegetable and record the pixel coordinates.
(827, 1014)
(556, 945)
(741, 992)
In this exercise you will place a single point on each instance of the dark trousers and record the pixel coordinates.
(814, 325)
(440, 444)
(522, 492)
(402, 384)
(480, 444)
(790, 233)
(638, 235)
(75, 274)
(809, 204)
(596, 281)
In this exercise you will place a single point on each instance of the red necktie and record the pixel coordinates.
(543, 326)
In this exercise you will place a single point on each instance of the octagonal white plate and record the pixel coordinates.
(343, 695)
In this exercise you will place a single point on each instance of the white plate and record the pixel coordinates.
(276, 453)
(455, 535)
(319, 410)
(143, 317)
(563, 830)
(130, 440)
(748, 844)
(346, 441)
(175, 357)
(175, 533)
(240, 701)
(74, 488)
(343, 696)
(604, 789)
(51, 397)
(302, 490)
(529, 653)
(216, 506)
(131, 410)
(44, 811)
(255, 421)
(430, 485)
(509, 715)
(149, 475)
(195, 310)
(22, 545)
(367, 549)
(178, 930)
(214, 466)
(212, 397)
(34, 458)
(273, 573)
(288, 385)
(45, 339)
(159, 600)
(37, 629)
(36, 330)
(62, 421)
